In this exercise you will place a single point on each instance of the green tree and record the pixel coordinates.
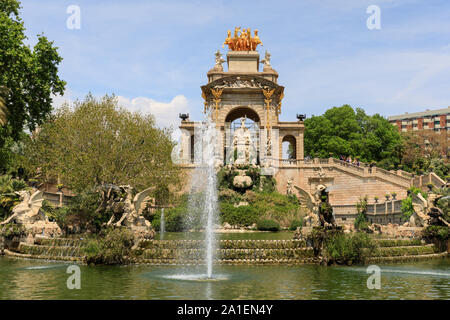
(3, 108)
(97, 142)
(361, 222)
(29, 74)
(424, 151)
(344, 131)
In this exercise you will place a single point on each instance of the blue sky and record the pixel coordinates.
(154, 55)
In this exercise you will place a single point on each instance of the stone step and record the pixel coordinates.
(404, 251)
(407, 258)
(44, 257)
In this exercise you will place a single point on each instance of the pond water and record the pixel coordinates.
(37, 279)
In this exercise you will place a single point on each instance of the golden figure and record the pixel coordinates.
(236, 32)
(242, 40)
(256, 40)
(279, 104)
(249, 40)
(206, 103)
(217, 94)
(229, 41)
(240, 45)
(268, 94)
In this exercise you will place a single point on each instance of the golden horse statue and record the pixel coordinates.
(243, 41)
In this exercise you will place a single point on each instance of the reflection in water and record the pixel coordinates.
(37, 279)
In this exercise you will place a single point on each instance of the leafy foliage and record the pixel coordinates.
(81, 213)
(8, 196)
(407, 205)
(407, 208)
(174, 219)
(436, 232)
(11, 230)
(98, 142)
(348, 248)
(344, 131)
(361, 222)
(240, 216)
(423, 152)
(29, 76)
(268, 225)
(296, 224)
(261, 205)
(112, 247)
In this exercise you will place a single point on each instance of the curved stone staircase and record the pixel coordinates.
(191, 252)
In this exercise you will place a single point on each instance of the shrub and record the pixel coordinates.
(268, 225)
(268, 184)
(11, 230)
(436, 232)
(112, 247)
(255, 174)
(348, 248)
(229, 195)
(407, 208)
(174, 219)
(361, 222)
(241, 216)
(225, 178)
(82, 211)
(295, 224)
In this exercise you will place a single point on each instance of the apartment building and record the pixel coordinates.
(437, 120)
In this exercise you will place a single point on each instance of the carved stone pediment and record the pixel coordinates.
(242, 82)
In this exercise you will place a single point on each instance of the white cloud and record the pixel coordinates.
(58, 100)
(166, 114)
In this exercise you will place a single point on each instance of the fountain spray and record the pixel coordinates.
(203, 198)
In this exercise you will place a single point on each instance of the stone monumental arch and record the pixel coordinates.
(251, 96)
(245, 103)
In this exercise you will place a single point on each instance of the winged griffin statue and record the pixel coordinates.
(28, 213)
(426, 212)
(28, 210)
(321, 212)
(133, 207)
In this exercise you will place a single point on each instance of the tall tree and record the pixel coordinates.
(98, 142)
(3, 109)
(344, 131)
(30, 75)
(426, 151)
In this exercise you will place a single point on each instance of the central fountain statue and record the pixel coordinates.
(243, 146)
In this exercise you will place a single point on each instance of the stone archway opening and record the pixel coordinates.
(241, 112)
(289, 148)
(233, 121)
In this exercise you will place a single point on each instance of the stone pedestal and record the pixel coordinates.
(243, 61)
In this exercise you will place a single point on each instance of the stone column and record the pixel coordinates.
(300, 148)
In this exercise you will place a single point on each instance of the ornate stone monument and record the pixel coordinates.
(244, 93)
(28, 213)
(240, 89)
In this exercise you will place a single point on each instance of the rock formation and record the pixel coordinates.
(426, 212)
